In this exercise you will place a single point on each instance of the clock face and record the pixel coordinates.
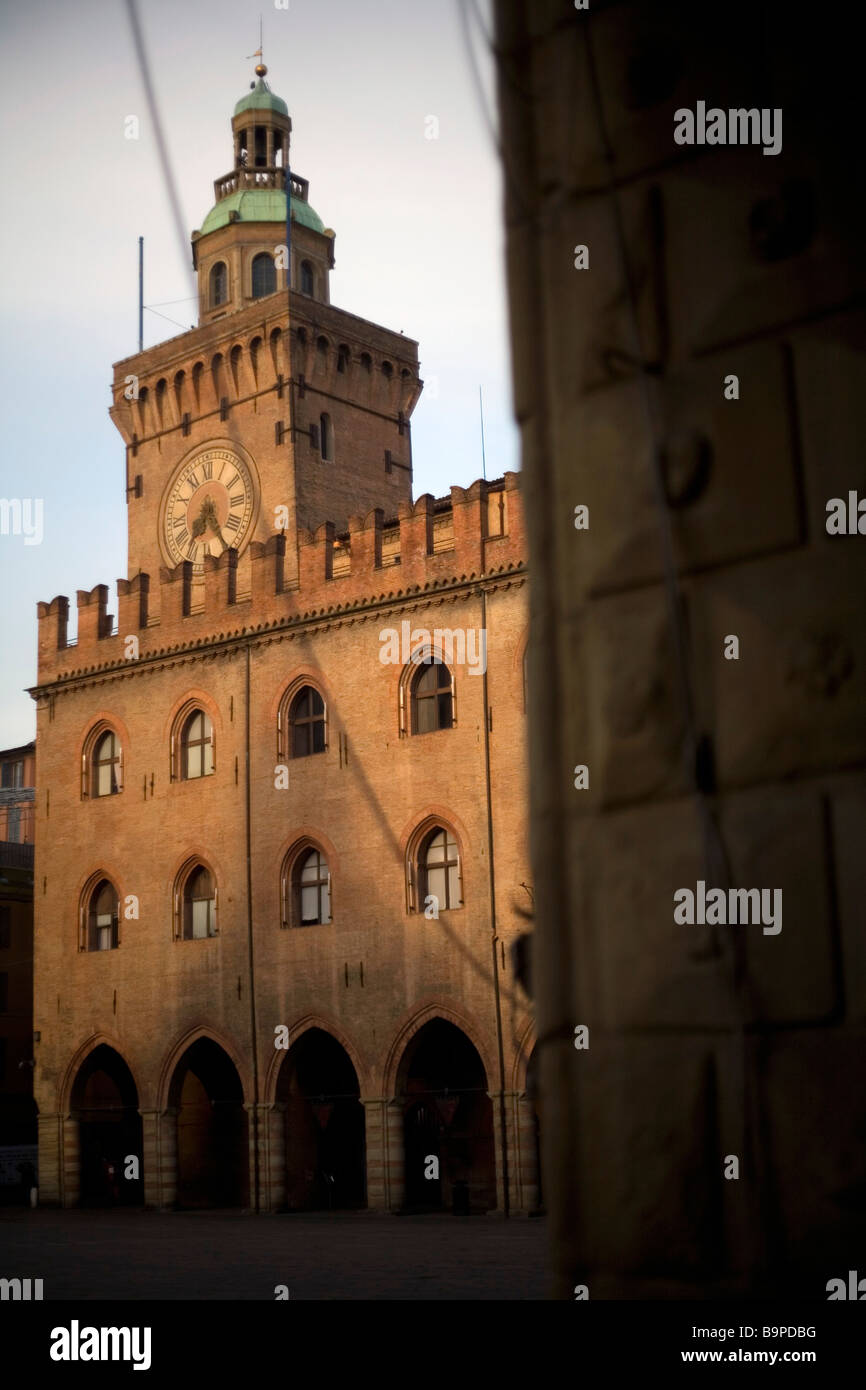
(209, 508)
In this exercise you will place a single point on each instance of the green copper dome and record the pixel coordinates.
(261, 98)
(261, 205)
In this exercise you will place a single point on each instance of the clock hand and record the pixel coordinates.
(217, 530)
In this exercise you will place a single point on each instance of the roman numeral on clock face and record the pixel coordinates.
(181, 538)
(232, 481)
(207, 469)
(237, 500)
(233, 523)
(193, 481)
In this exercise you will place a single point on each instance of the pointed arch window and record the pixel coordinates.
(102, 918)
(105, 774)
(306, 888)
(264, 275)
(219, 284)
(435, 877)
(199, 904)
(307, 723)
(196, 746)
(440, 869)
(432, 695)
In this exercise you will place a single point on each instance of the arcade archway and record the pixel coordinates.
(447, 1116)
(104, 1101)
(325, 1127)
(212, 1152)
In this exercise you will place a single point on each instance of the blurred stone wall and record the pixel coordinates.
(707, 519)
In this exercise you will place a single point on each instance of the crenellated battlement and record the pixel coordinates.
(432, 544)
(231, 360)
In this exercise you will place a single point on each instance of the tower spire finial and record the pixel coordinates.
(260, 69)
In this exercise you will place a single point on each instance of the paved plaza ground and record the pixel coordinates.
(178, 1255)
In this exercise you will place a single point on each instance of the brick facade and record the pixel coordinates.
(303, 604)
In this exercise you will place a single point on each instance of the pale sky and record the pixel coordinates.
(419, 240)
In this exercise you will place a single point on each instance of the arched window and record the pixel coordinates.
(307, 281)
(326, 437)
(105, 765)
(307, 723)
(366, 362)
(387, 370)
(196, 746)
(199, 904)
(342, 358)
(432, 698)
(306, 889)
(219, 284)
(264, 275)
(439, 870)
(102, 913)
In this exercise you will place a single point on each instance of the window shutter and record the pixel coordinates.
(119, 768)
(326, 725)
(280, 732)
(410, 883)
(284, 899)
(84, 774)
(117, 924)
(172, 763)
(453, 699)
(402, 709)
(314, 436)
(460, 877)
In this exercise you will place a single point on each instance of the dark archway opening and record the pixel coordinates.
(212, 1153)
(325, 1126)
(105, 1102)
(448, 1116)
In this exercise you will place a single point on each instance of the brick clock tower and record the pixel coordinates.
(241, 427)
(279, 869)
